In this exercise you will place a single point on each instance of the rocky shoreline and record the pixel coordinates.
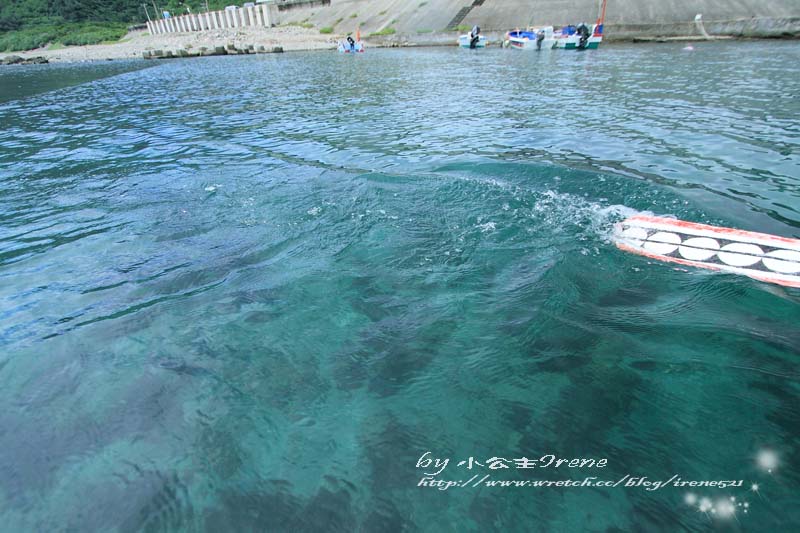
(140, 44)
(18, 60)
(256, 40)
(230, 49)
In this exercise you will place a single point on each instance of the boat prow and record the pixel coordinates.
(761, 256)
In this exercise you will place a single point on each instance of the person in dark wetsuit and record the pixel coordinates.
(352, 43)
(474, 36)
(583, 31)
(539, 39)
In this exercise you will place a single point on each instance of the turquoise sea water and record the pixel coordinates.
(249, 293)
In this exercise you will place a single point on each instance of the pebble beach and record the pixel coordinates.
(136, 44)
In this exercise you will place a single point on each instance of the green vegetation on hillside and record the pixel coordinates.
(304, 24)
(75, 33)
(28, 24)
(384, 31)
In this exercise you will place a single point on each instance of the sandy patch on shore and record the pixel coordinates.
(135, 43)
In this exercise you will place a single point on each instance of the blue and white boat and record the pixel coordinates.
(346, 48)
(532, 39)
(580, 37)
(350, 45)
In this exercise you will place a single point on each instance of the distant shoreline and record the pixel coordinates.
(139, 44)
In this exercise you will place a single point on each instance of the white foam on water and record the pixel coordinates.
(486, 227)
(598, 220)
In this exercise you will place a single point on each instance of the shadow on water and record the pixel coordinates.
(24, 81)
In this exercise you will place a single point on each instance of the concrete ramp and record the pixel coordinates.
(509, 14)
(410, 17)
(628, 18)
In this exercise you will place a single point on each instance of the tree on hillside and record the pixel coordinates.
(15, 14)
(101, 10)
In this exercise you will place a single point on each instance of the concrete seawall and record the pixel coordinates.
(625, 19)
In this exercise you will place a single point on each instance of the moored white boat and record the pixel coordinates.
(573, 38)
(532, 39)
(347, 48)
(464, 41)
(578, 37)
(350, 45)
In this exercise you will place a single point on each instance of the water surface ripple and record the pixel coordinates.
(248, 293)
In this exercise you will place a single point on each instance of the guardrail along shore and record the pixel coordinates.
(232, 17)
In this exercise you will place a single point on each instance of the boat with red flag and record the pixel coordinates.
(350, 45)
(581, 36)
